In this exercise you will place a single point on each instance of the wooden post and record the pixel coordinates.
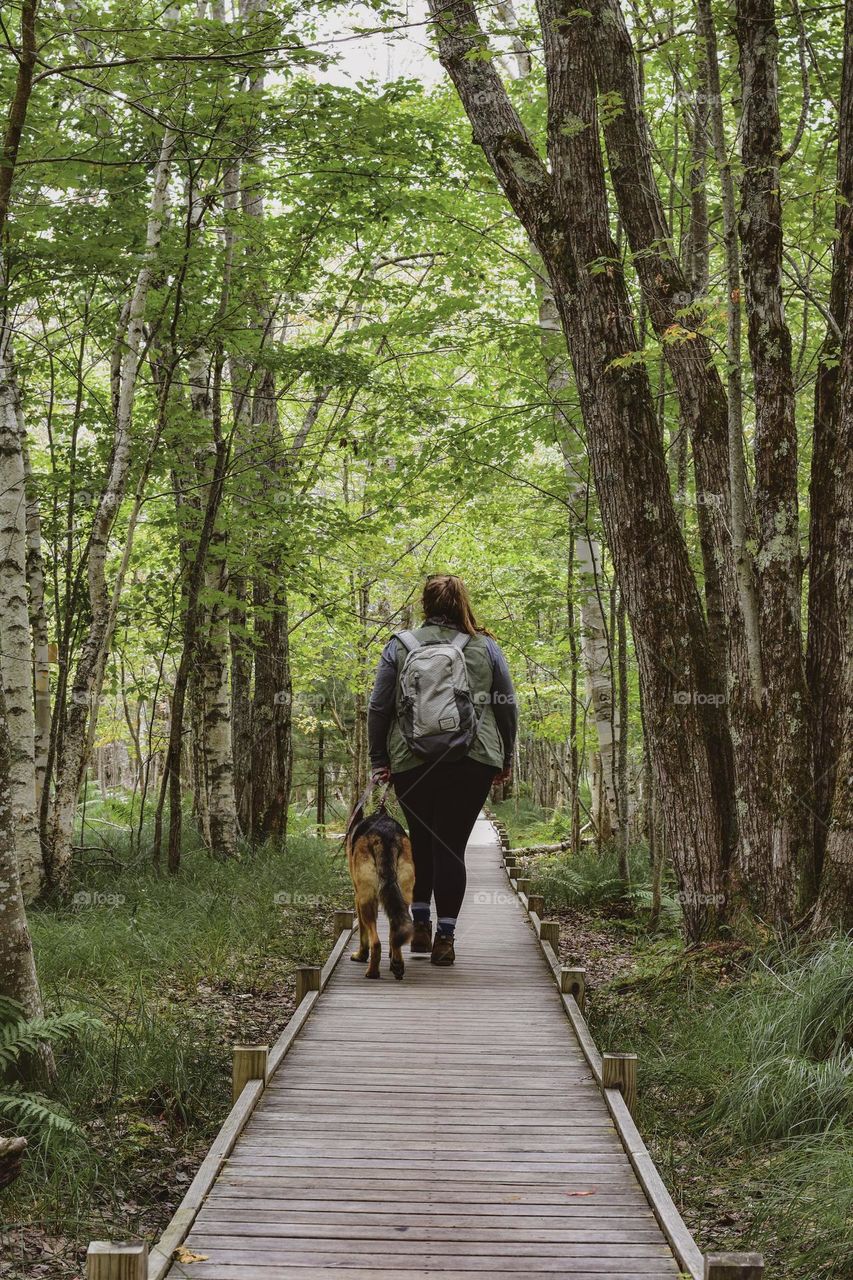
(522, 886)
(108, 1261)
(307, 979)
(342, 923)
(734, 1266)
(549, 931)
(511, 868)
(573, 983)
(248, 1062)
(619, 1071)
(536, 904)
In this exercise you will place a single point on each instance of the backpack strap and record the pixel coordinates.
(408, 640)
(460, 639)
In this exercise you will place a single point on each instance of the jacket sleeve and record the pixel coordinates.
(503, 699)
(381, 708)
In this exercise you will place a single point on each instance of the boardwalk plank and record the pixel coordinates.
(445, 1126)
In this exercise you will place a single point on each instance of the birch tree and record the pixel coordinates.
(16, 654)
(18, 978)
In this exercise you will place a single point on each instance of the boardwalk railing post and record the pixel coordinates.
(307, 979)
(573, 983)
(522, 886)
(106, 1260)
(342, 922)
(549, 931)
(535, 904)
(619, 1071)
(734, 1266)
(248, 1062)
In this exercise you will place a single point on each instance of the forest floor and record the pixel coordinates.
(744, 1064)
(177, 970)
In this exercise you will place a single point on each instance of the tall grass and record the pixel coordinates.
(746, 1085)
(167, 964)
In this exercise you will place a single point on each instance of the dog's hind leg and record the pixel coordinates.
(360, 956)
(398, 965)
(367, 913)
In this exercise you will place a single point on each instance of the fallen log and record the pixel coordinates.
(533, 850)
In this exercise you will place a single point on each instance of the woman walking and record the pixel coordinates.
(442, 722)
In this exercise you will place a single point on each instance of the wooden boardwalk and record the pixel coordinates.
(444, 1125)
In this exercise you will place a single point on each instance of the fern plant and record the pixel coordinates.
(28, 1111)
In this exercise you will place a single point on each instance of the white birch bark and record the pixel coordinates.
(88, 677)
(16, 655)
(38, 625)
(18, 978)
(214, 662)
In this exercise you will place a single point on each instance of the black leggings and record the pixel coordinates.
(441, 803)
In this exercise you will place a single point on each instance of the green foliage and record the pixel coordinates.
(745, 1094)
(156, 977)
(591, 879)
(796, 1022)
(29, 1112)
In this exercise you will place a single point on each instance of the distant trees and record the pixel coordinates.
(272, 349)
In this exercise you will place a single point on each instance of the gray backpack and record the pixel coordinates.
(435, 708)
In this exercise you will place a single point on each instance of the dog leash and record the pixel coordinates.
(362, 800)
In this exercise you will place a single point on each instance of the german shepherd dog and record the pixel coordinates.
(383, 871)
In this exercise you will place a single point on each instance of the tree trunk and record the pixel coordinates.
(321, 777)
(16, 119)
(824, 661)
(564, 211)
(18, 979)
(39, 627)
(835, 901)
(241, 703)
(16, 654)
(772, 870)
(219, 800)
(574, 755)
(218, 756)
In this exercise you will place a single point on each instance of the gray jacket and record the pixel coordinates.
(382, 709)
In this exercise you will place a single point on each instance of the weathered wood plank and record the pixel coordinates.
(448, 1125)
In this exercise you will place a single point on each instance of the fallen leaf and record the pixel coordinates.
(182, 1254)
(581, 1193)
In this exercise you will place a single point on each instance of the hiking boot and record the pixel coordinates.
(442, 951)
(421, 938)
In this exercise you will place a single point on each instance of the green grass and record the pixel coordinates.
(746, 1096)
(176, 969)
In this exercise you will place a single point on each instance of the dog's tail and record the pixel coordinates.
(391, 897)
(393, 902)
